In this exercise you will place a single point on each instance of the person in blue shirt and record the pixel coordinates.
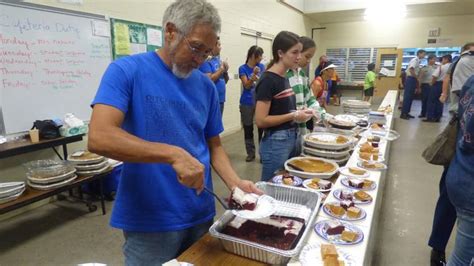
(216, 70)
(460, 179)
(160, 115)
(249, 74)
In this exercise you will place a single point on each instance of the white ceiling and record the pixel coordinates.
(458, 7)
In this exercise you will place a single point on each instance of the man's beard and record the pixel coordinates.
(174, 67)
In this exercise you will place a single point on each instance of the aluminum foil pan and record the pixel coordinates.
(292, 202)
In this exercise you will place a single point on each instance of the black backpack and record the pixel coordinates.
(47, 129)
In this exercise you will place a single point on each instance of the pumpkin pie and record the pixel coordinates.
(311, 165)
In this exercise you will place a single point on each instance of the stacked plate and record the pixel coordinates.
(49, 174)
(88, 163)
(356, 106)
(326, 145)
(11, 191)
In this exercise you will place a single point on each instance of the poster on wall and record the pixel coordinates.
(134, 37)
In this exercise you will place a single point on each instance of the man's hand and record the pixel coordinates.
(189, 171)
(225, 65)
(443, 98)
(256, 70)
(417, 90)
(249, 187)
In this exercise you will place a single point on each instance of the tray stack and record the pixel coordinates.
(356, 107)
(49, 174)
(88, 163)
(11, 191)
(327, 145)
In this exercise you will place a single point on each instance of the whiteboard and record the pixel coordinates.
(51, 63)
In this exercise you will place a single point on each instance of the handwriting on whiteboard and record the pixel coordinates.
(24, 25)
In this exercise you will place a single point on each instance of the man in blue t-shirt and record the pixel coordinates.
(216, 70)
(159, 115)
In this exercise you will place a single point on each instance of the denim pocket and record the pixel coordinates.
(279, 135)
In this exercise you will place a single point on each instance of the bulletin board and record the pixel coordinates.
(130, 37)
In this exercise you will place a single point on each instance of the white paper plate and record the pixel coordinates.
(85, 161)
(336, 193)
(89, 167)
(10, 188)
(311, 256)
(344, 217)
(384, 166)
(336, 239)
(326, 153)
(12, 197)
(53, 179)
(345, 171)
(52, 186)
(345, 182)
(306, 185)
(327, 141)
(266, 206)
(93, 172)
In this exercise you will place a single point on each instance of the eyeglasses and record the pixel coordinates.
(196, 52)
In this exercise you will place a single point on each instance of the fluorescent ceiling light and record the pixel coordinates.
(385, 11)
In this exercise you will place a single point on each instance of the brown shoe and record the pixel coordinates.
(250, 158)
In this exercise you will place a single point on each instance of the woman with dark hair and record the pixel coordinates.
(369, 83)
(299, 82)
(249, 73)
(276, 106)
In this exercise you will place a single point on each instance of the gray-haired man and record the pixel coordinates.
(160, 116)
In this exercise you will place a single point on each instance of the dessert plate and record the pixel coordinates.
(345, 182)
(345, 171)
(11, 188)
(374, 166)
(311, 256)
(337, 195)
(265, 207)
(336, 239)
(344, 217)
(307, 184)
(278, 179)
(12, 197)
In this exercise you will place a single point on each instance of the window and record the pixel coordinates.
(338, 57)
(352, 62)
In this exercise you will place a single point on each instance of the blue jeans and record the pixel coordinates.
(444, 217)
(408, 94)
(463, 253)
(276, 147)
(156, 248)
(435, 107)
(425, 94)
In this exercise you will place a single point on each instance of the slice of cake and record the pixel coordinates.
(324, 184)
(346, 195)
(355, 183)
(346, 204)
(287, 180)
(356, 171)
(274, 231)
(367, 184)
(353, 212)
(328, 251)
(333, 227)
(337, 210)
(349, 236)
(240, 200)
(362, 196)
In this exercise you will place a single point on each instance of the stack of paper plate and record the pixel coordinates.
(88, 163)
(356, 106)
(11, 191)
(49, 174)
(326, 145)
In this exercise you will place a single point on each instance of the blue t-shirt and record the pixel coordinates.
(460, 176)
(211, 66)
(248, 95)
(159, 107)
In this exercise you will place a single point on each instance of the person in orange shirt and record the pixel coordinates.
(333, 92)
